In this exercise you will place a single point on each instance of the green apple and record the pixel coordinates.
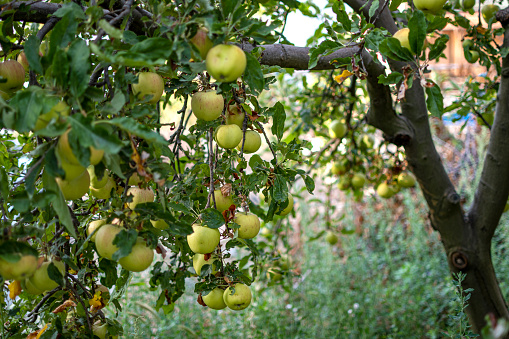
(60, 110)
(71, 171)
(64, 151)
(288, 207)
(134, 179)
(472, 57)
(159, 224)
(338, 168)
(150, 86)
(222, 203)
(199, 261)
(467, 44)
(337, 129)
(207, 105)
(140, 196)
(467, 4)
(238, 300)
(104, 238)
(226, 63)
(28, 287)
(105, 191)
(385, 190)
(214, 299)
(358, 180)
(252, 143)
(18, 270)
(139, 259)
(203, 240)
(406, 179)
(76, 188)
(274, 274)
(366, 142)
(95, 225)
(14, 73)
(235, 115)
(487, 11)
(41, 280)
(249, 225)
(430, 6)
(101, 330)
(331, 238)
(22, 59)
(94, 181)
(202, 42)
(402, 36)
(228, 136)
(344, 183)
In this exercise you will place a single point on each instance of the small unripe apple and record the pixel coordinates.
(41, 280)
(474, 56)
(95, 225)
(203, 239)
(235, 115)
(61, 109)
(76, 188)
(65, 153)
(202, 42)
(139, 259)
(14, 73)
(406, 179)
(430, 6)
(228, 136)
(337, 129)
(199, 261)
(249, 225)
(105, 191)
(338, 168)
(288, 208)
(28, 287)
(207, 105)
(238, 300)
(358, 180)
(150, 85)
(487, 11)
(18, 270)
(467, 4)
(22, 59)
(101, 330)
(331, 238)
(385, 191)
(140, 196)
(214, 299)
(226, 63)
(159, 224)
(344, 183)
(104, 238)
(252, 143)
(467, 44)
(222, 203)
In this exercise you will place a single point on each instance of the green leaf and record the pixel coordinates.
(253, 74)
(33, 173)
(435, 100)
(309, 182)
(134, 127)
(4, 184)
(78, 54)
(110, 30)
(55, 274)
(32, 53)
(417, 34)
(125, 241)
(280, 189)
(212, 218)
(11, 251)
(59, 204)
(393, 78)
(153, 48)
(279, 117)
(228, 7)
(392, 49)
(374, 6)
(29, 104)
(438, 47)
(324, 48)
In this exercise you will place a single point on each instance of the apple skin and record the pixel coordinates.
(228, 136)
(288, 208)
(140, 196)
(104, 192)
(207, 105)
(214, 299)
(402, 36)
(429, 6)
(406, 179)
(226, 63)
(467, 44)
(487, 11)
(235, 115)
(41, 280)
(222, 203)
(199, 261)
(19, 270)
(139, 259)
(252, 144)
(337, 129)
(240, 299)
(76, 188)
(249, 225)
(102, 331)
(149, 84)
(28, 287)
(385, 191)
(202, 42)
(93, 225)
(331, 238)
(358, 180)
(65, 153)
(344, 183)
(22, 59)
(61, 109)
(203, 240)
(14, 73)
(474, 56)
(159, 224)
(104, 240)
(467, 4)
(94, 180)
(338, 168)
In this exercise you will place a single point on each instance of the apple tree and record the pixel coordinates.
(91, 189)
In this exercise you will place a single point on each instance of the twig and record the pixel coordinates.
(320, 152)
(211, 170)
(266, 139)
(33, 314)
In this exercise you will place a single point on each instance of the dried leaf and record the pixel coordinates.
(68, 303)
(343, 76)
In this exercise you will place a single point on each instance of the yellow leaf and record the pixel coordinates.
(342, 77)
(14, 289)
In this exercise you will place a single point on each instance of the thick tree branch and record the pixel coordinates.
(383, 20)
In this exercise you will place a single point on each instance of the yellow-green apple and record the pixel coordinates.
(385, 190)
(140, 196)
(467, 4)
(228, 136)
(288, 207)
(65, 153)
(139, 259)
(252, 143)
(235, 115)
(20, 269)
(202, 42)
(134, 179)
(199, 261)
(61, 109)
(474, 56)
(402, 36)
(95, 225)
(104, 238)
(222, 202)
(203, 239)
(358, 180)
(150, 86)
(101, 330)
(344, 183)
(238, 300)
(71, 171)
(430, 6)
(105, 191)
(337, 129)
(467, 44)
(95, 182)
(488, 12)
(41, 280)
(366, 142)
(338, 167)
(406, 179)
(331, 238)
(75, 188)
(14, 73)
(28, 287)
(207, 105)
(160, 224)
(22, 59)
(249, 225)
(214, 299)
(226, 63)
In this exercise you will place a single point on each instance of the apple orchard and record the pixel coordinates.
(91, 191)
